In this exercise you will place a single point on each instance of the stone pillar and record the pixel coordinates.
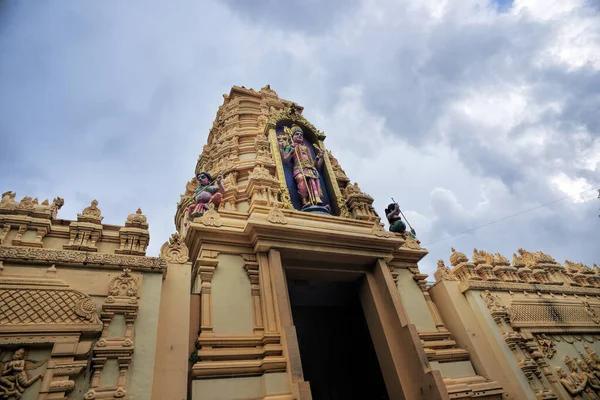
(171, 367)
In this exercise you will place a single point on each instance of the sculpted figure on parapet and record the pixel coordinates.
(14, 379)
(209, 191)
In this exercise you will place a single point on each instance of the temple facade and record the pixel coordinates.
(279, 282)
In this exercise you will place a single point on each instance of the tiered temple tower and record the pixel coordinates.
(289, 236)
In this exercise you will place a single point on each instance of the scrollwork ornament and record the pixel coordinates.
(591, 312)
(276, 216)
(86, 308)
(123, 285)
(211, 217)
(175, 250)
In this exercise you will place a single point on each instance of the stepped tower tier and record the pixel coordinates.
(295, 282)
(267, 153)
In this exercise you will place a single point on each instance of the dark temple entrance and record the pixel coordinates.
(338, 357)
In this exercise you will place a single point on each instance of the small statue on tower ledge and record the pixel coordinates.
(392, 212)
(208, 191)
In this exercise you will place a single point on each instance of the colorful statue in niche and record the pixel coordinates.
(14, 379)
(305, 169)
(209, 191)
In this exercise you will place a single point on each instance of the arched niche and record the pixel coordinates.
(313, 138)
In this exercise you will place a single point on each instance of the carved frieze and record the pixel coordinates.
(78, 257)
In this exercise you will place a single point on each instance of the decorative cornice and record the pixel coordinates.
(292, 113)
(465, 286)
(138, 263)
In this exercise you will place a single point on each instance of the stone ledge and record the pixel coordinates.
(136, 263)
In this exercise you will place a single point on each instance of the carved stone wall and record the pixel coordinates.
(49, 313)
(535, 303)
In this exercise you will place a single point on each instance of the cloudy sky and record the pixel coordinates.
(464, 111)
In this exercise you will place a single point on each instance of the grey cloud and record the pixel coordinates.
(307, 16)
(114, 101)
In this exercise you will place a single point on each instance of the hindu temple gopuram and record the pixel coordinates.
(280, 282)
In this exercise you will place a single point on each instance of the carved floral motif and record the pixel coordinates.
(276, 216)
(123, 285)
(211, 217)
(175, 250)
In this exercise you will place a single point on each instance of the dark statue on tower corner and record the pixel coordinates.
(393, 212)
(305, 169)
(209, 191)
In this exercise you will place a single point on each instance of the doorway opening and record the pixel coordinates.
(338, 356)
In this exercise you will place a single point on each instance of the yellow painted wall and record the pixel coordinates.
(414, 301)
(231, 297)
(145, 328)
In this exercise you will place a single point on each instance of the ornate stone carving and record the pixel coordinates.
(457, 257)
(36, 305)
(292, 113)
(546, 345)
(14, 376)
(134, 236)
(260, 172)
(574, 387)
(137, 220)
(211, 217)
(359, 203)
(443, 273)
(27, 203)
(86, 308)
(76, 257)
(123, 285)
(276, 216)
(499, 312)
(8, 198)
(91, 213)
(29, 206)
(175, 250)
(410, 241)
(591, 312)
(379, 231)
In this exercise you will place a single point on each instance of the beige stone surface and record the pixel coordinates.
(145, 338)
(232, 306)
(413, 301)
(172, 341)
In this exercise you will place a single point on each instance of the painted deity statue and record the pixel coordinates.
(305, 169)
(208, 192)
